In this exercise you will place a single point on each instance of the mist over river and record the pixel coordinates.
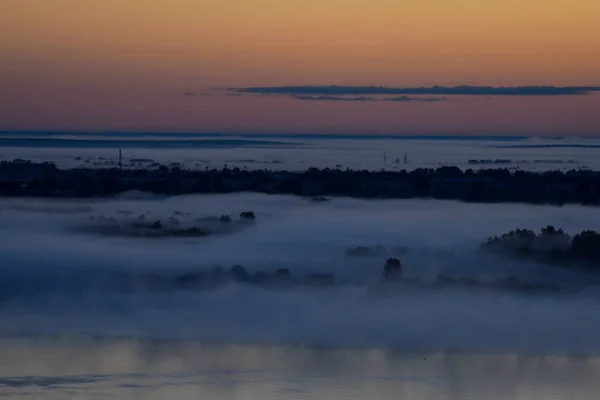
(62, 285)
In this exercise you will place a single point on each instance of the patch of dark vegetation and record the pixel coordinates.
(320, 199)
(247, 215)
(392, 269)
(375, 251)
(392, 273)
(366, 251)
(144, 226)
(492, 185)
(207, 279)
(550, 245)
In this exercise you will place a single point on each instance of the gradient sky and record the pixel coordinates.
(125, 65)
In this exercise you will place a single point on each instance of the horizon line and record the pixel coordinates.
(308, 135)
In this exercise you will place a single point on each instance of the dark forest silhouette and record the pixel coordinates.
(484, 185)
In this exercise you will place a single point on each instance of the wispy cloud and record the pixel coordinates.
(407, 99)
(333, 98)
(465, 90)
(401, 99)
(202, 94)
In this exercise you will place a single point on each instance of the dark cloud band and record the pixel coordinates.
(465, 90)
(407, 99)
(333, 98)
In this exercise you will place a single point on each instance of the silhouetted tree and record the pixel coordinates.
(586, 245)
(247, 215)
(392, 269)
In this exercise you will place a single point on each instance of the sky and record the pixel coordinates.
(185, 65)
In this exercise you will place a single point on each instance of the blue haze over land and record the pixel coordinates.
(70, 327)
(298, 152)
(58, 280)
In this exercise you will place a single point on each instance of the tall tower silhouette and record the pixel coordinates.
(120, 158)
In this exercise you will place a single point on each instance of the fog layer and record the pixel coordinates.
(57, 279)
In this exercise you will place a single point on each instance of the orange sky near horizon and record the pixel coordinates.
(71, 60)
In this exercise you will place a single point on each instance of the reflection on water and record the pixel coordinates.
(151, 370)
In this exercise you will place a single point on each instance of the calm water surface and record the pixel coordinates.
(132, 369)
